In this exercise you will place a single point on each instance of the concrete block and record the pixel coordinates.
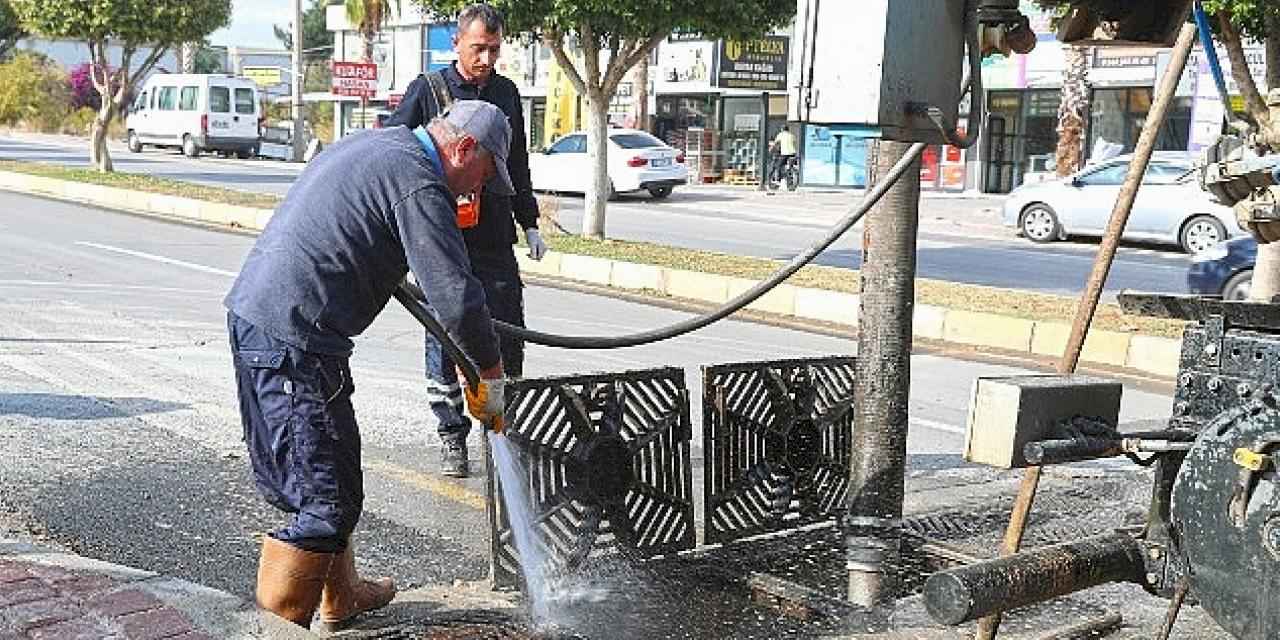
(10, 179)
(41, 184)
(987, 330)
(115, 198)
(928, 321)
(89, 565)
(79, 191)
(548, 266)
(1006, 413)
(695, 285)
(138, 200)
(1104, 347)
(1154, 355)
(780, 300)
(629, 275)
(586, 268)
(827, 306)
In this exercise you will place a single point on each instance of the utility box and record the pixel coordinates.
(1008, 412)
(879, 63)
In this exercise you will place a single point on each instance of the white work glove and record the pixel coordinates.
(537, 248)
(487, 403)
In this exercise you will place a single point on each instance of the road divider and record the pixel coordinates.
(1145, 354)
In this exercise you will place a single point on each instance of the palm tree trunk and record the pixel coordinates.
(1071, 112)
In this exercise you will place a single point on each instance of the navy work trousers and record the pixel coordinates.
(499, 272)
(301, 433)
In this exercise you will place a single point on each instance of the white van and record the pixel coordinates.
(196, 112)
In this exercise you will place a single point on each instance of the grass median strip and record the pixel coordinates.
(951, 295)
(138, 182)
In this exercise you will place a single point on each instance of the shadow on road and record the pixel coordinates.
(55, 406)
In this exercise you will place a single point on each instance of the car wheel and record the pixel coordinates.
(660, 193)
(189, 147)
(1040, 223)
(135, 145)
(1200, 233)
(247, 153)
(613, 193)
(1237, 286)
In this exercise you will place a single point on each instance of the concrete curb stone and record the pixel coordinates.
(1147, 354)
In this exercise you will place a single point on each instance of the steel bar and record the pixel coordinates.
(1165, 93)
(959, 595)
(1045, 452)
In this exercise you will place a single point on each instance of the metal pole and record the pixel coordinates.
(988, 626)
(882, 383)
(299, 130)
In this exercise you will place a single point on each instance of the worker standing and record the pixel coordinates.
(362, 215)
(486, 225)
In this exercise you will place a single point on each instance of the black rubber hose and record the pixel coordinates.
(412, 301)
(734, 305)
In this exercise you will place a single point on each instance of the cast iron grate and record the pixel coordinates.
(608, 465)
(776, 437)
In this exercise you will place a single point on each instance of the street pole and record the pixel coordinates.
(882, 383)
(299, 129)
(988, 626)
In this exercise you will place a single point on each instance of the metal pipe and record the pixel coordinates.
(882, 381)
(988, 627)
(1071, 450)
(959, 595)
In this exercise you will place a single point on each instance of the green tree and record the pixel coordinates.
(613, 36)
(315, 34)
(33, 92)
(10, 30)
(131, 25)
(368, 17)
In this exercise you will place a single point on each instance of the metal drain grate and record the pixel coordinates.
(607, 461)
(777, 437)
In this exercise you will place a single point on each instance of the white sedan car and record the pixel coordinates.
(1170, 208)
(637, 162)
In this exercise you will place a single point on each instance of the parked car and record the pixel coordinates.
(1225, 269)
(1170, 207)
(196, 112)
(637, 162)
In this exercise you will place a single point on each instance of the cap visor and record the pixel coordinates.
(501, 184)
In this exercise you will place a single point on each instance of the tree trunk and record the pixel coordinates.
(1273, 51)
(598, 159)
(99, 155)
(1071, 112)
(642, 94)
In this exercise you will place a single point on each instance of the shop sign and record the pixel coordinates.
(262, 76)
(1104, 58)
(753, 64)
(685, 66)
(357, 79)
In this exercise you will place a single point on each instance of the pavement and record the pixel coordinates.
(47, 594)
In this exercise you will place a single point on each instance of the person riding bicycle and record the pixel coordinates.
(784, 146)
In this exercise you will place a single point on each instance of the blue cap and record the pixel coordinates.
(490, 128)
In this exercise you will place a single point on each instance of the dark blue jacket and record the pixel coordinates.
(495, 229)
(359, 216)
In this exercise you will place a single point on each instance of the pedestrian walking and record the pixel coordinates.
(360, 216)
(487, 225)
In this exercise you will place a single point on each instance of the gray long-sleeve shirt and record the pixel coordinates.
(361, 215)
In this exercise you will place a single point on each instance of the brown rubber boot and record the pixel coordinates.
(290, 580)
(346, 595)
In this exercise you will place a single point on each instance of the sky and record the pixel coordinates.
(251, 22)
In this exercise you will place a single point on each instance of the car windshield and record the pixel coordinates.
(636, 140)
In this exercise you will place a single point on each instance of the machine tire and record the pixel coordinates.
(1039, 223)
(1237, 286)
(135, 145)
(1201, 232)
(189, 148)
(247, 153)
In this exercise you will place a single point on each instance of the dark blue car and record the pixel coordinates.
(1225, 269)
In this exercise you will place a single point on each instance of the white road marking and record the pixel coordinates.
(937, 426)
(156, 258)
(72, 284)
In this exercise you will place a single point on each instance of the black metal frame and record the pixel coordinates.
(777, 437)
(607, 459)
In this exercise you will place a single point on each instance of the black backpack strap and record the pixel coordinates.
(440, 90)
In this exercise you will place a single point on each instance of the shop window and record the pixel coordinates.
(1116, 118)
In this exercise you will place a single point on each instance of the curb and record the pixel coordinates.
(210, 611)
(1150, 355)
